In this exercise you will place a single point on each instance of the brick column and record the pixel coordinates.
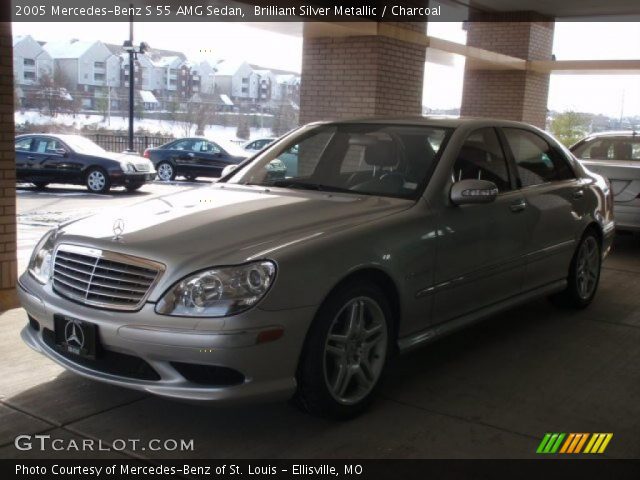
(509, 94)
(8, 262)
(363, 76)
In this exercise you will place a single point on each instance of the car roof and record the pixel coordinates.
(61, 136)
(614, 133)
(445, 122)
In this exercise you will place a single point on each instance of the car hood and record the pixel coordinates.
(225, 223)
(119, 157)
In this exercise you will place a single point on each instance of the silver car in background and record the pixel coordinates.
(390, 234)
(616, 156)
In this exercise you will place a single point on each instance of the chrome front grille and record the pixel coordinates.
(103, 279)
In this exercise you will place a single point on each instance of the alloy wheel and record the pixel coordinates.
(355, 350)
(588, 267)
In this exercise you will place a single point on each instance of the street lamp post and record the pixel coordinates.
(133, 52)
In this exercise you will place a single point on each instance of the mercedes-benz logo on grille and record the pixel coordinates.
(118, 228)
(73, 334)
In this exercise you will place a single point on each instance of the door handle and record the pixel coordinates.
(578, 193)
(518, 206)
(31, 157)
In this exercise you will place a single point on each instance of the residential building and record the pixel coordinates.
(238, 81)
(88, 69)
(30, 61)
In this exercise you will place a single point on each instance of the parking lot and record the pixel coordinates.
(491, 391)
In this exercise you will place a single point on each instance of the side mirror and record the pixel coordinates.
(61, 151)
(227, 170)
(472, 191)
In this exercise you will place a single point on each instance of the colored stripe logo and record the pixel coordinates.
(574, 443)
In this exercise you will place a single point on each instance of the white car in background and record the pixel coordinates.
(616, 155)
(258, 144)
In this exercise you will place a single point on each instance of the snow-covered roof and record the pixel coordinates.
(68, 48)
(166, 61)
(18, 38)
(228, 67)
(290, 79)
(225, 99)
(147, 96)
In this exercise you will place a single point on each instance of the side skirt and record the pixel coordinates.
(430, 334)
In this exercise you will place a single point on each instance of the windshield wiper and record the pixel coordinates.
(310, 186)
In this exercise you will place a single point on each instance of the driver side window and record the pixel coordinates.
(481, 158)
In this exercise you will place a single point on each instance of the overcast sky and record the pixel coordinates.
(607, 94)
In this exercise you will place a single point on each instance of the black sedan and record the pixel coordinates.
(192, 158)
(42, 159)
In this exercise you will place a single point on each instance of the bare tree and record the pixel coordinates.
(51, 95)
(243, 130)
(285, 119)
(196, 116)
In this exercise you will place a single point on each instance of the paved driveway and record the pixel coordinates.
(488, 392)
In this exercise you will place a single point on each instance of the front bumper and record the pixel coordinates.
(268, 369)
(121, 178)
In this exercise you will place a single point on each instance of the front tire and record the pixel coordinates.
(166, 172)
(97, 180)
(584, 273)
(40, 185)
(345, 352)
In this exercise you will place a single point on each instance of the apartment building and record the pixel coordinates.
(87, 69)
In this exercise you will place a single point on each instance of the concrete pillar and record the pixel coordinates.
(377, 72)
(509, 94)
(8, 261)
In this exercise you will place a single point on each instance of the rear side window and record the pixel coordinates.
(182, 145)
(536, 161)
(23, 145)
(621, 149)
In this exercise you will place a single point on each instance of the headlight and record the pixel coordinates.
(41, 263)
(218, 292)
(127, 167)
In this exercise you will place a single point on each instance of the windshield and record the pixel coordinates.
(370, 159)
(83, 145)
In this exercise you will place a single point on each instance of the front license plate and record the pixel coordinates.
(76, 337)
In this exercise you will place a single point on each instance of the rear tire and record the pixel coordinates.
(345, 352)
(166, 172)
(97, 180)
(584, 273)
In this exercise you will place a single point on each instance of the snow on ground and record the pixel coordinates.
(163, 127)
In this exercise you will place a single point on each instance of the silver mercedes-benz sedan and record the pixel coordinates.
(616, 156)
(390, 234)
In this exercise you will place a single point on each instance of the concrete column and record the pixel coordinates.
(509, 94)
(8, 259)
(376, 73)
